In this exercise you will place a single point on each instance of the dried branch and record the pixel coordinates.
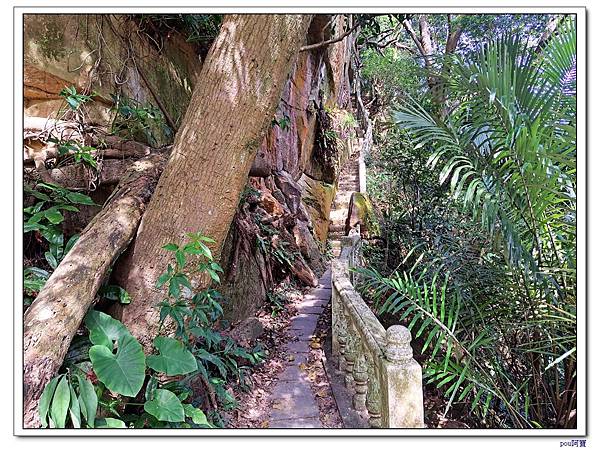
(330, 41)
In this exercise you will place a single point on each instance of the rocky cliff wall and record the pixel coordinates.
(108, 55)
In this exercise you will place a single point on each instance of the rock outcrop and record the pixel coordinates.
(361, 212)
(109, 55)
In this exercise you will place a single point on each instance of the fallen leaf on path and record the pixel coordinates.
(278, 404)
(322, 393)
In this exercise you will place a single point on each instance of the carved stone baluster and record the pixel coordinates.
(335, 323)
(373, 402)
(342, 338)
(360, 376)
(397, 348)
(349, 354)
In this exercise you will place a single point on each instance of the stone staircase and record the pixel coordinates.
(347, 184)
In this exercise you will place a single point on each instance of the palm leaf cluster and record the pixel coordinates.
(506, 153)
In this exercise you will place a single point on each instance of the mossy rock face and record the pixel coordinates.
(361, 212)
(326, 161)
(103, 53)
(318, 197)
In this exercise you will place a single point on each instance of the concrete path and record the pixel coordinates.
(294, 404)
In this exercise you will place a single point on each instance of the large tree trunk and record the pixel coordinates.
(53, 318)
(232, 105)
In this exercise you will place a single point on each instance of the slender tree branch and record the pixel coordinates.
(453, 36)
(409, 29)
(401, 46)
(330, 41)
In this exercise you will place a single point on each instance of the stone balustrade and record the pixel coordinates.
(379, 368)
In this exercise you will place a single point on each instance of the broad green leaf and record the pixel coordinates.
(205, 250)
(215, 359)
(70, 243)
(80, 199)
(196, 414)
(54, 216)
(74, 410)
(60, 403)
(180, 257)
(104, 329)
(124, 372)
(74, 104)
(165, 406)
(37, 194)
(46, 398)
(32, 226)
(162, 279)
(88, 400)
(150, 388)
(52, 261)
(174, 358)
(109, 422)
(116, 293)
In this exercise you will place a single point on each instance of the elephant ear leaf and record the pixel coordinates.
(109, 422)
(104, 329)
(174, 358)
(165, 406)
(74, 409)
(197, 415)
(123, 373)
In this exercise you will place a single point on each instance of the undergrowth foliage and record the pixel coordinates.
(45, 203)
(43, 219)
(487, 280)
(90, 392)
(138, 121)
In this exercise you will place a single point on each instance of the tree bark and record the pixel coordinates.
(232, 105)
(81, 176)
(52, 320)
(551, 27)
(425, 45)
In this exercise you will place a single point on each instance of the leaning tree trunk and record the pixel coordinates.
(232, 105)
(53, 318)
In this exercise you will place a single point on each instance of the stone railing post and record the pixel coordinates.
(376, 364)
(349, 356)
(361, 378)
(373, 399)
(402, 387)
